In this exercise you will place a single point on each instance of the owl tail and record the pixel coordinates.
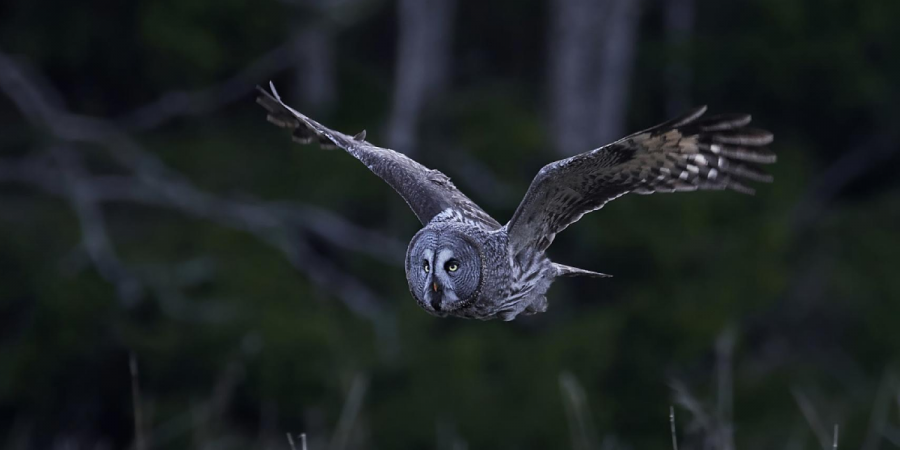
(569, 271)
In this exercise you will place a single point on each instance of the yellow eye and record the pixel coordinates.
(452, 266)
(426, 267)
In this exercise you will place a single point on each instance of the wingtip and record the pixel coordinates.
(742, 188)
(563, 270)
(274, 91)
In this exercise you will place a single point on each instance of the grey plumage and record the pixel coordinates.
(463, 263)
(428, 192)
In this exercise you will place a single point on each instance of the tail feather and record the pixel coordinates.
(563, 270)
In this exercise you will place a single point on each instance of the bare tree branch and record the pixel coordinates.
(95, 239)
(880, 409)
(812, 418)
(584, 436)
(488, 187)
(701, 419)
(349, 413)
(725, 387)
(318, 222)
(137, 405)
(716, 429)
(152, 182)
(202, 101)
(302, 441)
(672, 426)
(834, 445)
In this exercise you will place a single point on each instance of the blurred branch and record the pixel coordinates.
(584, 436)
(725, 387)
(94, 237)
(488, 187)
(349, 413)
(209, 416)
(302, 441)
(892, 434)
(834, 444)
(154, 183)
(310, 51)
(137, 405)
(316, 221)
(313, 48)
(672, 426)
(175, 104)
(812, 417)
(880, 409)
(448, 437)
(700, 419)
(850, 167)
(717, 429)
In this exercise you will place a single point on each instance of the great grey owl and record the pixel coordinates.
(464, 263)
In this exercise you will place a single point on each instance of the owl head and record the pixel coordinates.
(444, 270)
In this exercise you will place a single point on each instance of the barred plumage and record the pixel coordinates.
(464, 264)
(683, 154)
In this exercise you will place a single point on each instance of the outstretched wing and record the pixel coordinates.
(428, 192)
(684, 154)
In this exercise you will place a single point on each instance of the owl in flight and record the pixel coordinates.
(464, 263)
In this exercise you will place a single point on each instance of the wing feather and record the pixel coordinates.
(427, 192)
(687, 153)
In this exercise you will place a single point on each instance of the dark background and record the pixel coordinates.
(148, 209)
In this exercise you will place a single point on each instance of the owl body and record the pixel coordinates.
(488, 280)
(464, 263)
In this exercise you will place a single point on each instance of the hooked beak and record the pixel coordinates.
(436, 298)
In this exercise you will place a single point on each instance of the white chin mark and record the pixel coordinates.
(448, 300)
(451, 296)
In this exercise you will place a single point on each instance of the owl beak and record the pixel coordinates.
(434, 286)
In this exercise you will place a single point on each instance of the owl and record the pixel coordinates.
(463, 263)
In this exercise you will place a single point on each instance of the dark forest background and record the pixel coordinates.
(150, 215)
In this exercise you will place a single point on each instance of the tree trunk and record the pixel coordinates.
(315, 71)
(591, 58)
(679, 18)
(423, 55)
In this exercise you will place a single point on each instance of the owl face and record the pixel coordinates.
(443, 268)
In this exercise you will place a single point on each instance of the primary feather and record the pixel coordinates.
(687, 153)
(427, 192)
(463, 263)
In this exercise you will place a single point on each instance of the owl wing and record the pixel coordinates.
(428, 192)
(684, 154)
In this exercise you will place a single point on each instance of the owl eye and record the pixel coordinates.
(452, 266)
(426, 267)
